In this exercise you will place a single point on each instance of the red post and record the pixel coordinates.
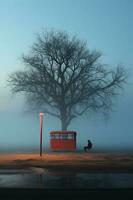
(41, 122)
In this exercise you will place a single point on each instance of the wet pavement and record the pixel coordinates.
(41, 178)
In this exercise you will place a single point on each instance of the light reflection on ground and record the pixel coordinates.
(39, 178)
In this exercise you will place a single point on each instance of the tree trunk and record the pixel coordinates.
(63, 115)
(63, 124)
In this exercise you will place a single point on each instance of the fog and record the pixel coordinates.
(107, 26)
(20, 131)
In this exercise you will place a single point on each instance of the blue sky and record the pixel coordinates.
(105, 25)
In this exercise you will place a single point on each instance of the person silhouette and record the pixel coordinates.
(89, 146)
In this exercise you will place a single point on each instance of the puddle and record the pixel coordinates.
(40, 178)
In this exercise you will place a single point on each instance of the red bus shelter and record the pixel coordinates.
(63, 140)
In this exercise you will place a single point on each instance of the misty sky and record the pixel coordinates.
(106, 25)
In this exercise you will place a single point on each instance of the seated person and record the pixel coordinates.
(89, 146)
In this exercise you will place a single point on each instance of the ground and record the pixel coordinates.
(85, 162)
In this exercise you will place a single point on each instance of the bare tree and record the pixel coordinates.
(65, 79)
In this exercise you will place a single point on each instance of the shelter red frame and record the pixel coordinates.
(63, 140)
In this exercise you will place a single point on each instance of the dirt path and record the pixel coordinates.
(69, 161)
